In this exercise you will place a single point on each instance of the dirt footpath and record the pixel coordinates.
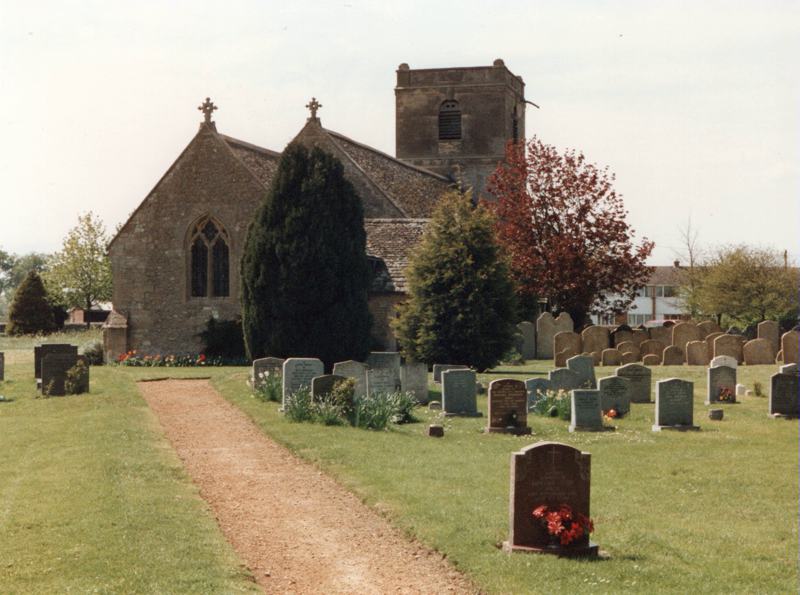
(296, 529)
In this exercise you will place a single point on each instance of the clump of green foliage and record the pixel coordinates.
(94, 353)
(461, 305)
(268, 386)
(77, 380)
(31, 311)
(553, 404)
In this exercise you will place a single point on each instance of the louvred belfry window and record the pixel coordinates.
(450, 121)
(210, 261)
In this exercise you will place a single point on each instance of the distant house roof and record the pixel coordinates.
(391, 240)
(669, 275)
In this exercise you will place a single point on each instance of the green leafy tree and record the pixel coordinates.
(79, 275)
(304, 269)
(461, 306)
(31, 311)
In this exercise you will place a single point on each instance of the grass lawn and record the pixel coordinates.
(93, 499)
(714, 510)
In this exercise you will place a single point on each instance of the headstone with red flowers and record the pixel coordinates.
(549, 507)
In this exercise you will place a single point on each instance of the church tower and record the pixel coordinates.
(457, 121)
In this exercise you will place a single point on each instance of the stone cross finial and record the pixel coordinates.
(207, 107)
(313, 106)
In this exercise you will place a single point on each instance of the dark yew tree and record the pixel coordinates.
(563, 226)
(304, 269)
(31, 311)
(460, 307)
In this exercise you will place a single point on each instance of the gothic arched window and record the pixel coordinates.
(209, 265)
(449, 120)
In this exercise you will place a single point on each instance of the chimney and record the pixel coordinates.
(676, 264)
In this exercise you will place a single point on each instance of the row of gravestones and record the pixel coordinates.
(51, 362)
(383, 372)
(683, 347)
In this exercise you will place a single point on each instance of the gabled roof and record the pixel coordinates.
(392, 240)
(669, 275)
(263, 163)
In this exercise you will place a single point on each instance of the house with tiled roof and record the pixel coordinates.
(175, 262)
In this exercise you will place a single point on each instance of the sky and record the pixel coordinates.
(694, 106)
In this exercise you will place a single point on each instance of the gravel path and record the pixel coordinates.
(296, 529)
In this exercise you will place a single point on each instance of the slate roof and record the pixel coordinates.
(391, 240)
(669, 275)
(262, 162)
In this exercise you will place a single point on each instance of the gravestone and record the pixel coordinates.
(662, 334)
(567, 341)
(596, 356)
(697, 353)
(683, 332)
(414, 380)
(383, 372)
(771, 331)
(611, 357)
(323, 385)
(629, 347)
(652, 347)
(673, 356)
(651, 360)
(263, 366)
(563, 379)
(595, 338)
(547, 328)
(583, 366)
(674, 405)
(640, 378)
(709, 326)
(54, 372)
(547, 474)
(436, 431)
(789, 369)
(720, 378)
(790, 345)
(758, 352)
(615, 393)
(536, 387)
(2, 366)
(622, 334)
(730, 345)
(528, 344)
(628, 358)
(42, 350)
(724, 360)
(439, 368)
(783, 389)
(710, 342)
(741, 389)
(355, 370)
(639, 336)
(299, 372)
(586, 414)
(459, 393)
(508, 407)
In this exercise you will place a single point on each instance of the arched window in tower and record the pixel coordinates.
(450, 120)
(209, 265)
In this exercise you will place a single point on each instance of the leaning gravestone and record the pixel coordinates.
(264, 366)
(355, 370)
(383, 372)
(563, 379)
(673, 356)
(298, 372)
(414, 380)
(547, 474)
(640, 378)
(611, 357)
(615, 393)
(730, 345)
(783, 393)
(683, 332)
(438, 369)
(2, 366)
(547, 328)
(42, 350)
(528, 345)
(771, 331)
(721, 379)
(586, 413)
(674, 405)
(323, 385)
(54, 372)
(758, 352)
(508, 407)
(790, 345)
(567, 341)
(697, 353)
(583, 366)
(459, 393)
(595, 338)
(537, 388)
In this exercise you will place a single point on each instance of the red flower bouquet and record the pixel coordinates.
(563, 524)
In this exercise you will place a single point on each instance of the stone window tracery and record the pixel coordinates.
(209, 266)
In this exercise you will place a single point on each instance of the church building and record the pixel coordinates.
(175, 262)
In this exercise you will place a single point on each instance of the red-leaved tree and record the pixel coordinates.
(563, 227)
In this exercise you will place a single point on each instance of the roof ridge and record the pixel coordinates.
(411, 166)
(248, 145)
